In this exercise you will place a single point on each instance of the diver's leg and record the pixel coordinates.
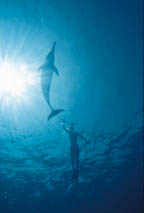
(72, 160)
(74, 166)
(77, 163)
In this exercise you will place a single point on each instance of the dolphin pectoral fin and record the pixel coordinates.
(39, 69)
(56, 71)
(54, 113)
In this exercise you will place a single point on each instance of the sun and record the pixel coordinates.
(14, 79)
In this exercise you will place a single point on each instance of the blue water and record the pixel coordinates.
(99, 58)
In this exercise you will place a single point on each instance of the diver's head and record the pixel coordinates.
(71, 128)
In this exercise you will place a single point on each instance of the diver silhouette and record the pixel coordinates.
(74, 147)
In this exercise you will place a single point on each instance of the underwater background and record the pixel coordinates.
(100, 87)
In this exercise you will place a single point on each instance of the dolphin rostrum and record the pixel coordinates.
(47, 70)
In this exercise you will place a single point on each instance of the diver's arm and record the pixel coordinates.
(84, 139)
(63, 126)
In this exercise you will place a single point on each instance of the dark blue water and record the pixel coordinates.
(99, 58)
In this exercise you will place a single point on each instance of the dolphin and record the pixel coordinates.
(47, 69)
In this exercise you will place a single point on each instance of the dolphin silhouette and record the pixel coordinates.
(47, 70)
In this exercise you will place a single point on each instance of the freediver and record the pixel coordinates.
(74, 147)
(47, 69)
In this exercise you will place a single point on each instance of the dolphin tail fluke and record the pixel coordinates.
(54, 113)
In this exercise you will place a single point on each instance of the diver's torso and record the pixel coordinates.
(73, 139)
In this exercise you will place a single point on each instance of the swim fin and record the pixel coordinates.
(55, 112)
